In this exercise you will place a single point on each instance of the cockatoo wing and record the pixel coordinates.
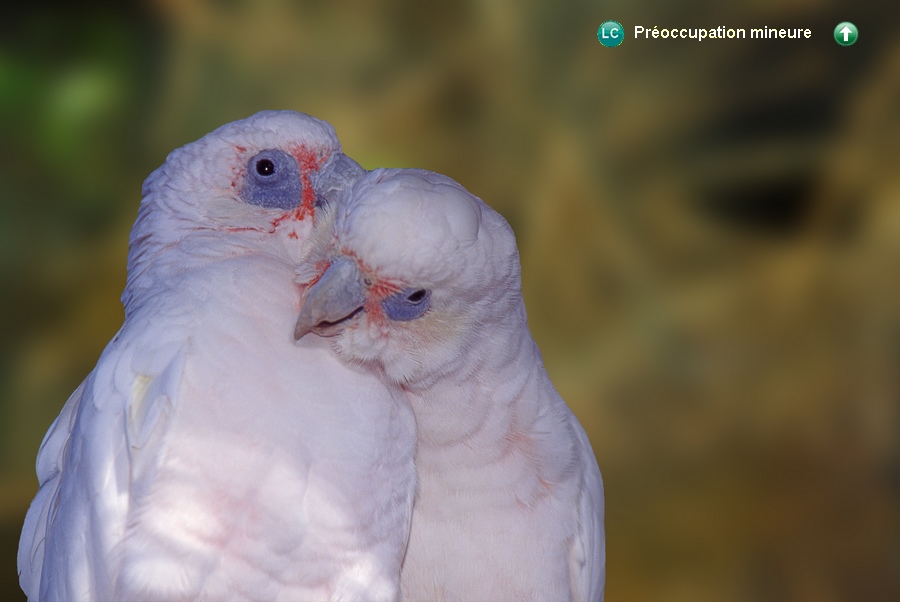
(50, 462)
(87, 464)
(588, 548)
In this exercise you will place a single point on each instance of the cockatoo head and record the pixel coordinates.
(256, 185)
(419, 271)
(264, 176)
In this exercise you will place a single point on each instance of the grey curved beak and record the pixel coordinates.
(338, 296)
(336, 179)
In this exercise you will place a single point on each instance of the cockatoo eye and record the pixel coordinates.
(273, 181)
(265, 167)
(407, 305)
(417, 296)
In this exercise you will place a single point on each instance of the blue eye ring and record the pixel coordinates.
(273, 180)
(407, 304)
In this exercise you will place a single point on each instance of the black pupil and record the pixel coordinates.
(265, 167)
(416, 296)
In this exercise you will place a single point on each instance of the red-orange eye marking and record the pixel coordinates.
(309, 161)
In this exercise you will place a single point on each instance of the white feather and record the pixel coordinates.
(510, 502)
(208, 455)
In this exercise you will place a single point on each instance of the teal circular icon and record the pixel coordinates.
(846, 33)
(611, 34)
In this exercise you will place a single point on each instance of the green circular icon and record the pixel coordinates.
(845, 34)
(611, 34)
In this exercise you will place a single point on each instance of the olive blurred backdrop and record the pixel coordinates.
(710, 239)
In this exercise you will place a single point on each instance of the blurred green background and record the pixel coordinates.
(710, 238)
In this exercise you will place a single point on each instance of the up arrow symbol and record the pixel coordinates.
(846, 31)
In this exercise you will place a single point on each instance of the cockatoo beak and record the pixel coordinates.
(339, 294)
(337, 179)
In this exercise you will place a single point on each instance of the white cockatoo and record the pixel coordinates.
(422, 287)
(209, 455)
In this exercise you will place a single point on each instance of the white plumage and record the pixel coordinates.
(423, 288)
(209, 455)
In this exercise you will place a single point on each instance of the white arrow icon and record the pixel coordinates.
(846, 31)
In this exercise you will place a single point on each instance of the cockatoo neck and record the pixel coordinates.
(492, 430)
(479, 403)
(165, 250)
